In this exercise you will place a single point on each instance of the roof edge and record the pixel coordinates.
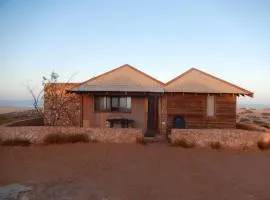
(245, 92)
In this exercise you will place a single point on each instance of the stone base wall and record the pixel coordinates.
(104, 135)
(231, 138)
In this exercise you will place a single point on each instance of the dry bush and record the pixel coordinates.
(247, 111)
(15, 142)
(263, 145)
(183, 143)
(248, 127)
(216, 145)
(61, 138)
(141, 141)
(265, 125)
(258, 121)
(92, 140)
(244, 120)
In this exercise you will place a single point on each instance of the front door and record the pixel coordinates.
(152, 119)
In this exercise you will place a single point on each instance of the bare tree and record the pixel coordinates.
(58, 102)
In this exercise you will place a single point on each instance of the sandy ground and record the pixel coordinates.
(107, 171)
(13, 109)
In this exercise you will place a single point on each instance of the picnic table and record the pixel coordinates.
(125, 122)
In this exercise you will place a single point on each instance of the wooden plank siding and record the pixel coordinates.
(193, 108)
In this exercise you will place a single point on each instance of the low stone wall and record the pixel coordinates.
(231, 138)
(104, 135)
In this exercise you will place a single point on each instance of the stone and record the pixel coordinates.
(13, 191)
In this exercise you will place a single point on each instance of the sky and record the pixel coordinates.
(229, 39)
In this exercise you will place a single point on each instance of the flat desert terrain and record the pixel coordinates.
(123, 172)
(4, 109)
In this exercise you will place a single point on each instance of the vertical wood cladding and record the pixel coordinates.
(193, 108)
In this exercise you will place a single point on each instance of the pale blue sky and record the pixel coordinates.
(229, 39)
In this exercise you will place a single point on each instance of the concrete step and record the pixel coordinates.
(157, 139)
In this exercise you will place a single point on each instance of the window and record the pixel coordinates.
(210, 106)
(102, 103)
(110, 104)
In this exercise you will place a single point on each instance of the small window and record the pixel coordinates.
(210, 106)
(110, 104)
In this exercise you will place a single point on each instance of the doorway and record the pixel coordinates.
(152, 118)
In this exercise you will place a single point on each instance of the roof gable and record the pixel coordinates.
(197, 81)
(123, 78)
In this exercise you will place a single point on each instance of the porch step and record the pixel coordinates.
(157, 139)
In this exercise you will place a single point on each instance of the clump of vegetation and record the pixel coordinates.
(265, 125)
(93, 140)
(15, 142)
(61, 138)
(183, 143)
(216, 145)
(244, 119)
(141, 141)
(263, 145)
(266, 114)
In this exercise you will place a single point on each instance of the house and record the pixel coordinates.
(127, 97)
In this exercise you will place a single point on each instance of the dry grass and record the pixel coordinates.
(141, 141)
(244, 120)
(266, 114)
(216, 145)
(61, 138)
(248, 127)
(263, 145)
(183, 143)
(15, 142)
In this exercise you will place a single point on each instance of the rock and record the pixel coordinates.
(14, 191)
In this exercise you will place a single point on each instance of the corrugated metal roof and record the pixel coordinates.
(196, 81)
(128, 79)
(116, 88)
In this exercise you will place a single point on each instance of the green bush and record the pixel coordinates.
(183, 143)
(16, 142)
(61, 138)
(263, 145)
(216, 145)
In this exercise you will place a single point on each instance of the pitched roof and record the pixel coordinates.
(197, 81)
(124, 78)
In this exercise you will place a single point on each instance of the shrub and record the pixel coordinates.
(244, 120)
(93, 140)
(265, 114)
(266, 125)
(16, 142)
(183, 143)
(141, 141)
(263, 145)
(61, 138)
(216, 145)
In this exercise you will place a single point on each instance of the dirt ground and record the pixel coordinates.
(107, 171)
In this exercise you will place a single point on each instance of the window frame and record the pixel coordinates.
(111, 108)
(214, 106)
